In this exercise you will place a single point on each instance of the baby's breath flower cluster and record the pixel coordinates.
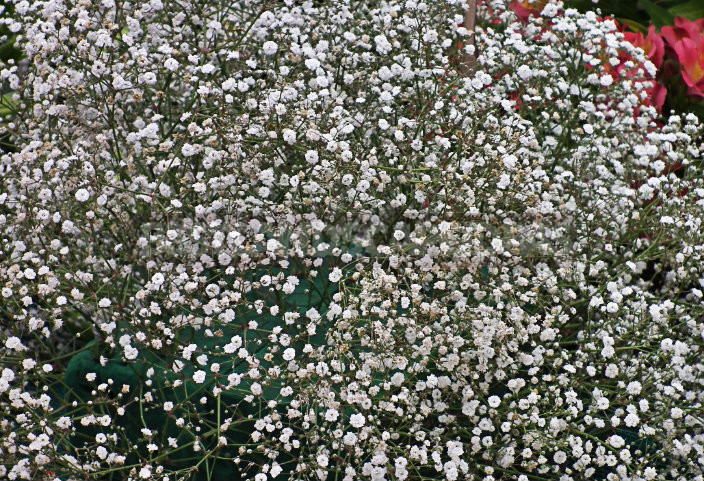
(301, 240)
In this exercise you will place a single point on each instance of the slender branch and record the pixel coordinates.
(470, 21)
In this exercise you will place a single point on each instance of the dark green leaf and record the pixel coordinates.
(692, 10)
(7, 105)
(633, 25)
(659, 15)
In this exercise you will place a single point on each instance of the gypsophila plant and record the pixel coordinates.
(303, 240)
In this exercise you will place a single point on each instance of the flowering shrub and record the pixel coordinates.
(298, 241)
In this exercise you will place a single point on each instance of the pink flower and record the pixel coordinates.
(684, 29)
(653, 45)
(656, 95)
(691, 57)
(525, 8)
(687, 40)
(654, 48)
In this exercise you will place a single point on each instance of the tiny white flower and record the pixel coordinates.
(28, 364)
(331, 415)
(524, 72)
(634, 388)
(171, 64)
(14, 343)
(602, 403)
(149, 78)
(560, 457)
(289, 136)
(350, 439)
(311, 157)
(335, 275)
(188, 150)
(312, 63)
(270, 48)
(208, 69)
(550, 10)
(397, 379)
(357, 420)
(616, 441)
(632, 420)
(82, 195)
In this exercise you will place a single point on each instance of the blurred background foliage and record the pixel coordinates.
(7, 38)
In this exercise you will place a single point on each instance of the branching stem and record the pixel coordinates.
(470, 21)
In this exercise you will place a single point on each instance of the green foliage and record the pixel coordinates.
(692, 10)
(9, 53)
(659, 16)
(8, 50)
(639, 14)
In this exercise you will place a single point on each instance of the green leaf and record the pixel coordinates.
(122, 32)
(633, 25)
(692, 10)
(695, 108)
(7, 105)
(659, 15)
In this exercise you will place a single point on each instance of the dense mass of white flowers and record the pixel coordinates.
(298, 240)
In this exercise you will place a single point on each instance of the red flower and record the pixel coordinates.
(653, 45)
(525, 8)
(654, 48)
(684, 29)
(687, 40)
(656, 95)
(691, 57)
